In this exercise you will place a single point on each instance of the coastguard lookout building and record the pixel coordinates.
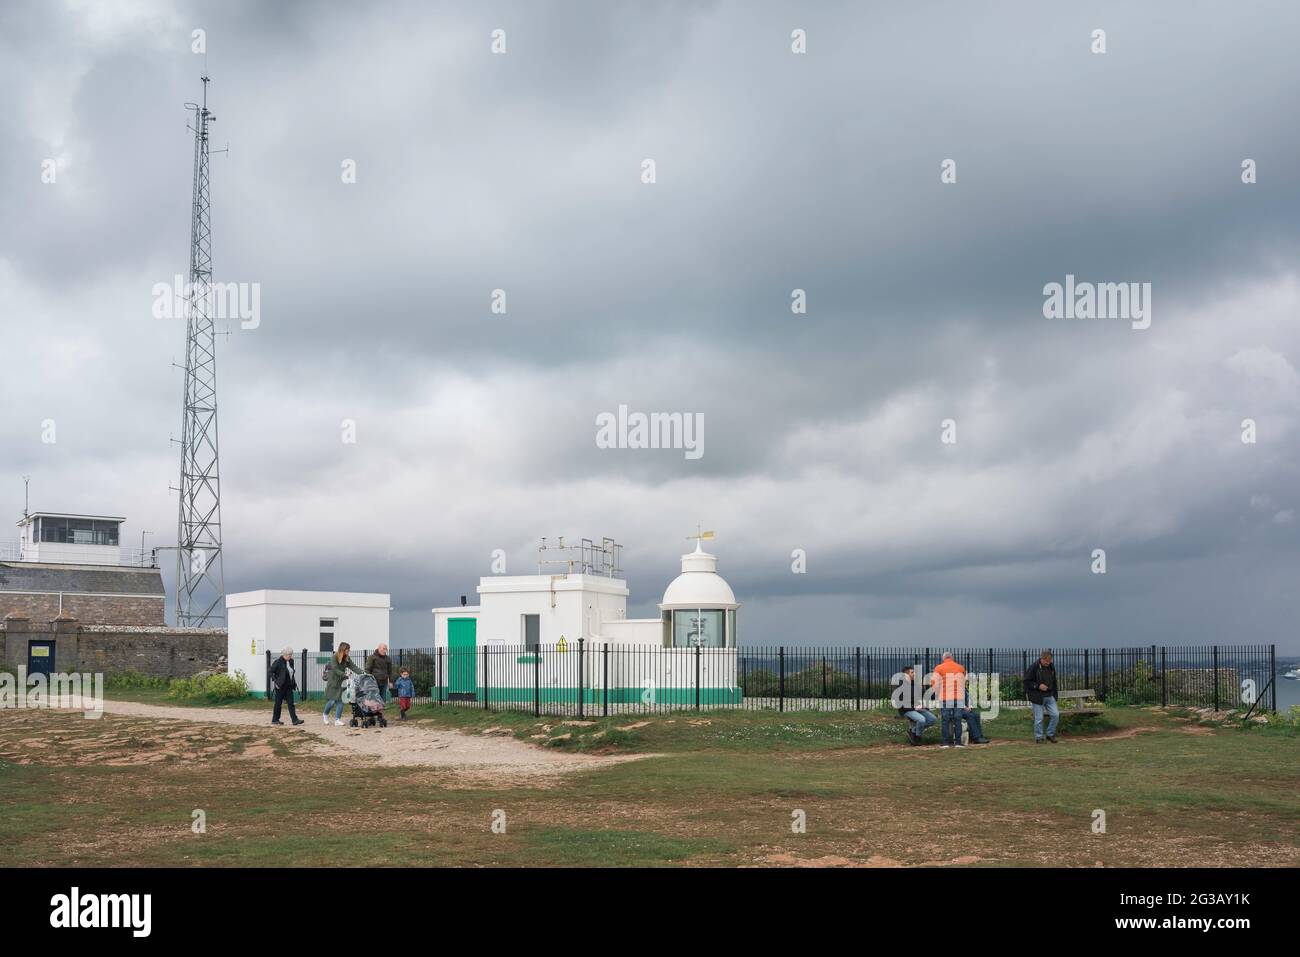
(71, 565)
(548, 635)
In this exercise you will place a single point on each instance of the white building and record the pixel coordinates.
(65, 538)
(526, 631)
(317, 621)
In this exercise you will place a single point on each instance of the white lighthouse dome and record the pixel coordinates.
(699, 585)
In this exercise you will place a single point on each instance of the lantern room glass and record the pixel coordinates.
(699, 628)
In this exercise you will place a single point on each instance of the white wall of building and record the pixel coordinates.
(66, 554)
(568, 606)
(633, 631)
(259, 620)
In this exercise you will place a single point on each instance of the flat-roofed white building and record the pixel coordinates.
(68, 538)
(318, 621)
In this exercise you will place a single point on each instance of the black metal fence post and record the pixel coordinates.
(1272, 672)
(857, 679)
(438, 675)
(604, 678)
(1216, 678)
(582, 679)
(485, 676)
(781, 686)
(697, 677)
(1164, 685)
(1103, 674)
(537, 680)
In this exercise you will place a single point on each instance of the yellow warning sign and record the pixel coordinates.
(561, 645)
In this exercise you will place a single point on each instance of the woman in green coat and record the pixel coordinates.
(337, 673)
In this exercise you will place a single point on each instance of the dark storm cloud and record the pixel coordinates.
(775, 172)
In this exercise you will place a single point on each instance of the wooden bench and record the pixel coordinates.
(1079, 697)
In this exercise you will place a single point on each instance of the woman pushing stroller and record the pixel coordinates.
(336, 673)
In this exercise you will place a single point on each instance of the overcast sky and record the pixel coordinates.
(820, 171)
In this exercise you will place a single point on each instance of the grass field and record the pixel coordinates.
(716, 788)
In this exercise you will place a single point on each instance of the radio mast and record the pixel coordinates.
(200, 578)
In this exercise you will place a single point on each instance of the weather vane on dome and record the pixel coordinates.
(700, 536)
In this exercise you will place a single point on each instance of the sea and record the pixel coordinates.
(1288, 690)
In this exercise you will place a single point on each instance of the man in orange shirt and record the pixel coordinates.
(950, 682)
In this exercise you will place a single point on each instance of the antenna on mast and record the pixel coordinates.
(27, 485)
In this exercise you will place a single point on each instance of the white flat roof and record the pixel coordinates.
(98, 518)
(535, 583)
(456, 609)
(342, 599)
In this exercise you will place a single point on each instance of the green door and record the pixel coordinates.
(462, 660)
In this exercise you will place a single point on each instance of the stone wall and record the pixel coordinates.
(157, 651)
(115, 609)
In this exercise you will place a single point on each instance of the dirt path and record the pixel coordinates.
(402, 744)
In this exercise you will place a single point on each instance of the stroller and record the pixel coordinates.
(367, 702)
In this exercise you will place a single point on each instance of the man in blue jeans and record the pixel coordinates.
(1040, 689)
(949, 681)
(911, 705)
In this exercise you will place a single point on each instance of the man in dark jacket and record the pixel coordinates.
(1040, 689)
(910, 701)
(380, 667)
(283, 681)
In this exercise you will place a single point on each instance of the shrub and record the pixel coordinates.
(214, 688)
(421, 665)
(222, 687)
(124, 680)
(1282, 720)
(1144, 688)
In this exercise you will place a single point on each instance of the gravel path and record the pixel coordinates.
(402, 744)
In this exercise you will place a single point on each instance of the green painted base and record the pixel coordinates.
(596, 696)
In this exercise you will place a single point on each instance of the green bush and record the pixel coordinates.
(128, 680)
(422, 666)
(1144, 690)
(214, 688)
(221, 687)
(1287, 721)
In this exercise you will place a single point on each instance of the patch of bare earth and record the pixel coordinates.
(66, 739)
